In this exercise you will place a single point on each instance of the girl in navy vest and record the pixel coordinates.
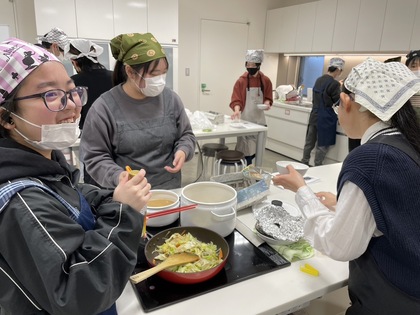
(374, 221)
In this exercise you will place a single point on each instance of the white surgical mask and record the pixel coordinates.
(154, 85)
(417, 73)
(53, 137)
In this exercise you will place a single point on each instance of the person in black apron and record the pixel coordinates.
(375, 221)
(322, 120)
(251, 89)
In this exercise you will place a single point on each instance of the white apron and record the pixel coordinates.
(248, 144)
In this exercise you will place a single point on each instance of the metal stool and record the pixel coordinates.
(229, 158)
(209, 151)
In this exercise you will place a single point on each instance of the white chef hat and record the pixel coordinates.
(337, 62)
(87, 49)
(56, 36)
(254, 55)
(382, 88)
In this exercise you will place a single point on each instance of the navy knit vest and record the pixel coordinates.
(390, 181)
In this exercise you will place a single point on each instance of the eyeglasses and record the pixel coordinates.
(336, 105)
(56, 100)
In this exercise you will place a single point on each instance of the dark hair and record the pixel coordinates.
(10, 106)
(120, 76)
(46, 45)
(332, 68)
(406, 122)
(411, 56)
(395, 59)
(84, 63)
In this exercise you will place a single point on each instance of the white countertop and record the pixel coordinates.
(230, 128)
(307, 107)
(271, 293)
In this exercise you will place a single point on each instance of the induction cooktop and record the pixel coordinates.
(245, 261)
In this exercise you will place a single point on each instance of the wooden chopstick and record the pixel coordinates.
(170, 211)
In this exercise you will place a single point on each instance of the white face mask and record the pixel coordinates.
(53, 137)
(154, 85)
(417, 73)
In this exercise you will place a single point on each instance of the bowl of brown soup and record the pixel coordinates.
(162, 200)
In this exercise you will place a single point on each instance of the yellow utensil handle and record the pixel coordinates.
(309, 270)
(139, 277)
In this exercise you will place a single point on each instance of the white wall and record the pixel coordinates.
(191, 12)
(19, 15)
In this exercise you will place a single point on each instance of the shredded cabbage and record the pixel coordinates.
(210, 255)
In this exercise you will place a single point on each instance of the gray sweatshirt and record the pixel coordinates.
(121, 131)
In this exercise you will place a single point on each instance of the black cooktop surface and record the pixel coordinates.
(245, 261)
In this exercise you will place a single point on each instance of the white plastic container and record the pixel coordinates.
(216, 207)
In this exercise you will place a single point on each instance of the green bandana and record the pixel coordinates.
(135, 48)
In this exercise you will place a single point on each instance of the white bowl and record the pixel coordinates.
(161, 194)
(263, 106)
(300, 167)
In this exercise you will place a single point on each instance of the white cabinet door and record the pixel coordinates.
(163, 20)
(305, 27)
(324, 26)
(415, 38)
(130, 16)
(345, 25)
(369, 26)
(95, 19)
(272, 31)
(55, 13)
(288, 27)
(399, 21)
(281, 25)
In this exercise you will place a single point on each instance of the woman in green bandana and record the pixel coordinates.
(139, 123)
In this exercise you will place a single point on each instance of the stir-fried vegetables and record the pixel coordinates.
(210, 255)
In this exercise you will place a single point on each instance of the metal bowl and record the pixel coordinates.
(202, 234)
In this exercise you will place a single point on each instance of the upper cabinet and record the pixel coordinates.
(163, 20)
(100, 24)
(288, 28)
(281, 35)
(415, 38)
(399, 21)
(324, 26)
(342, 26)
(272, 30)
(369, 26)
(305, 27)
(130, 16)
(56, 13)
(345, 25)
(105, 19)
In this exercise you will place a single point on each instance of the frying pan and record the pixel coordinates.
(203, 235)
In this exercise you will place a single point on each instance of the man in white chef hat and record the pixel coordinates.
(251, 89)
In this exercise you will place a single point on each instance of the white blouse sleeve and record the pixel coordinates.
(343, 234)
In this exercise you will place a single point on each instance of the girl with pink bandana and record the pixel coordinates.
(65, 247)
